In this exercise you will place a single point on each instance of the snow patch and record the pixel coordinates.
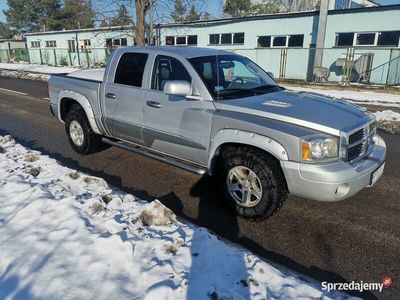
(155, 213)
(36, 68)
(59, 239)
(31, 157)
(388, 121)
(358, 97)
(387, 115)
(6, 139)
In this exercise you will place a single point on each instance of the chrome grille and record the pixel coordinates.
(356, 136)
(357, 144)
(355, 152)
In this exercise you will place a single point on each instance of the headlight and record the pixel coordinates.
(372, 133)
(319, 147)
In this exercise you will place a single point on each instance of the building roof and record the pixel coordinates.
(126, 27)
(282, 16)
(12, 40)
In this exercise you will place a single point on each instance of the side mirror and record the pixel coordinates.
(270, 74)
(178, 88)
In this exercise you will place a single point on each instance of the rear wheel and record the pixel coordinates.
(253, 182)
(80, 134)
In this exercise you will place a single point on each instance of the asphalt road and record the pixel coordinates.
(356, 239)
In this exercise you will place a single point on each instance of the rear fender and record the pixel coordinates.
(84, 102)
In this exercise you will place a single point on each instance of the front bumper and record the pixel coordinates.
(334, 181)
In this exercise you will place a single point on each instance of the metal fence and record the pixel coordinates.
(346, 65)
(86, 58)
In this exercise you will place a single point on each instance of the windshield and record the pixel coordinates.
(233, 76)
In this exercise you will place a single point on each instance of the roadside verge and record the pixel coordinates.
(68, 233)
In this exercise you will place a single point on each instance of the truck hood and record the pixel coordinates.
(304, 109)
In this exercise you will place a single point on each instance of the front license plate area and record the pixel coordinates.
(375, 175)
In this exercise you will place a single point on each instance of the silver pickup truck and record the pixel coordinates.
(211, 111)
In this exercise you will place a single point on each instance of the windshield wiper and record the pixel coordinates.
(229, 93)
(259, 90)
(267, 86)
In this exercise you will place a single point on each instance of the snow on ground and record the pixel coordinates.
(36, 68)
(32, 71)
(358, 97)
(64, 234)
(388, 120)
(25, 75)
(387, 115)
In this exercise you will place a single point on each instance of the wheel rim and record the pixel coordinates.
(76, 133)
(244, 186)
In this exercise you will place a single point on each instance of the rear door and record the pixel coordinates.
(123, 97)
(176, 125)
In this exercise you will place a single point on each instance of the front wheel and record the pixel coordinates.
(80, 134)
(253, 182)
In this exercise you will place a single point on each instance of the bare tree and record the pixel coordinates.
(142, 7)
(146, 13)
(298, 5)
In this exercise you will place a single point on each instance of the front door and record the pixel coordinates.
(123, 98)
(175, 125)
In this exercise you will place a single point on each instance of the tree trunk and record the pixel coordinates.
(140, 30)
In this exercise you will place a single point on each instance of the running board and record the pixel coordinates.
(163, 158)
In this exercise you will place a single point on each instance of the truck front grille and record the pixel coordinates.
(356, 136)
(358, 143)
(355, 151)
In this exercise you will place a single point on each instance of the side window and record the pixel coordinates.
(130, 69)
(166, 69)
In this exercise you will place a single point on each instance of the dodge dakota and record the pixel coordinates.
(212, 111)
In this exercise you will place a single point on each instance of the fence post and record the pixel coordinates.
(77, 51)
(55, 57)
(41, 57)
(282, 64)
(87, 58)
(388, 71)
(69, 56)
(8, 55)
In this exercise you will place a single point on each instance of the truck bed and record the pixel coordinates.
(85, 83)
(95, 74)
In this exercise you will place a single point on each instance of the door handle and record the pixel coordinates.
(111, 95)
(153, 104)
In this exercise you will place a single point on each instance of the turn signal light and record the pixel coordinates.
(306, 151)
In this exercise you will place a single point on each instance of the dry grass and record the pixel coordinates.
(392, 127)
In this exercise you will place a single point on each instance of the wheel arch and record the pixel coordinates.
(238, 138)
(69, 98)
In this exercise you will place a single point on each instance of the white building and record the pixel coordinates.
(285, 43)
(85, 47)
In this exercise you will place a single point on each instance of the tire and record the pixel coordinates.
(261, 180)
(88, 141)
